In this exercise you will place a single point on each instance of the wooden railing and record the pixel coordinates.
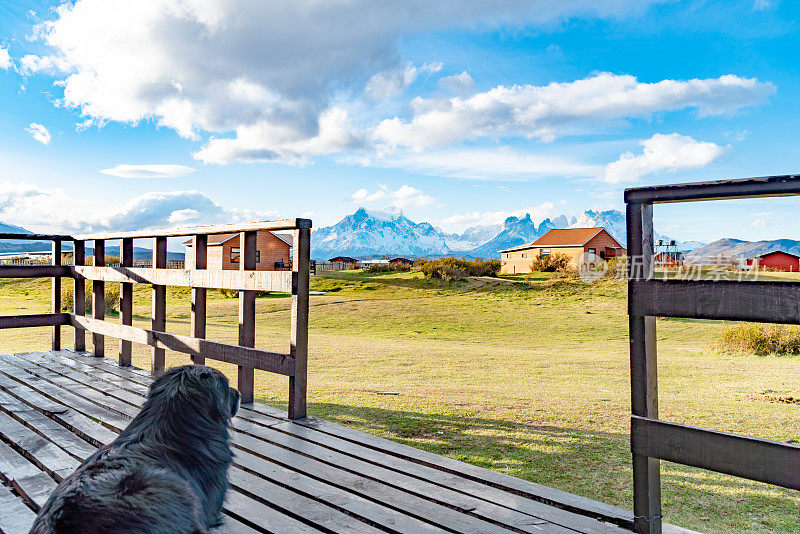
(247, 281)
(772, 302)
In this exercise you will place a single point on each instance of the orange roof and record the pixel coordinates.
(563, 237)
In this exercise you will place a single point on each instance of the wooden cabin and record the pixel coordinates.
(669, 259)
(776, 261)
(401, 261)
(577, 243)
(273, 252)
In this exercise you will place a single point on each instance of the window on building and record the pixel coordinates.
(592, 254)
(235, 254)
(544, 252)
(523, 254)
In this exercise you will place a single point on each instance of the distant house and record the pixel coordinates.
(273, 252)
(343, 262)
(776, 261)
(669, 259)
(400, 261)
(577, 243)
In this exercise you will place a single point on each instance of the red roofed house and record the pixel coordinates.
(273, 252)
(574, 242)
(776, 261)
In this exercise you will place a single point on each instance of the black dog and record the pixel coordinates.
(165, 473)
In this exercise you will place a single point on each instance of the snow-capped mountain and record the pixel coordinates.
(612, 220)
(374, 233)
(472, 237)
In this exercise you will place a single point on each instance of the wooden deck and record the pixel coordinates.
(307, 476)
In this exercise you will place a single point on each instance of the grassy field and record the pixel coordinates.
(528, 377)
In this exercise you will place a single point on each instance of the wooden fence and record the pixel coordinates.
(247, 281)
(653, 440)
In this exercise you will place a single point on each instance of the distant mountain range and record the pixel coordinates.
(736, 248)
(8, 246)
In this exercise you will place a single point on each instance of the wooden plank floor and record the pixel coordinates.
(56, 408)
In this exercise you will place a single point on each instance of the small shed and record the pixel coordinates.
(341, 263)
(776, 260)
(669, 259)
(400, 261)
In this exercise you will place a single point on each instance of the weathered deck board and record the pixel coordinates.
(307, 477)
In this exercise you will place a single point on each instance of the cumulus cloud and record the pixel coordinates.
(662, 153)
(168, 209)
(545, 112)
(275, 74)
(39, 132)
(28, 205)
(5, 59)
(148, 171)
(485, 164)
(461, 84)
(403, 198)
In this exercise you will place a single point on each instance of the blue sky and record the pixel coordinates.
(126, 115)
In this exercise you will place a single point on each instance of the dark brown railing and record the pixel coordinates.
(247, 281)
(653, 440)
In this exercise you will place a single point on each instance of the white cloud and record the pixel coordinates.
(5, 59)
(760, 5)
(461, 84)
(148, 171)
(39, 132)
(390, 83)
(758, 223)
(486, 164)
(403, 198)
(662, 153)
(545, 112)
(28, 205)
(279, 75)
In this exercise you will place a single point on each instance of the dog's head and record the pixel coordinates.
(197, 388)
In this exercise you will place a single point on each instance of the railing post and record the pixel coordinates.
(159, 305)
(644, 381)
(200, 249)
(247, 313)
(299, 335)
(125, 301)
(99, 297)
(79, 294)
(55, 299)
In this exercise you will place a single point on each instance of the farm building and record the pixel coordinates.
(273, 252)
(776, 261)
(400, 261)
(669, 259)
(595, 243)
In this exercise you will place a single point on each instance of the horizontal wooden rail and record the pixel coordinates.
(754, 458)
(281, 281)
(249, 357)
(770, 302)
(283, 224)
(766, 186)
(34, 319)
(33, 271)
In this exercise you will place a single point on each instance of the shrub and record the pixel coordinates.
(388, 268)
(760, 339)
(551, 263)
(111, 296)
(450, 269)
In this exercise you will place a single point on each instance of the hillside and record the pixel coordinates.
(737, 248)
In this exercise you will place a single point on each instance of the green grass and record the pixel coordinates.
(524, 375)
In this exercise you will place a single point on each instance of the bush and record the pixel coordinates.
(551, 263)
(388, 268)
(450, 269)
(760, 339)
(111, 296)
